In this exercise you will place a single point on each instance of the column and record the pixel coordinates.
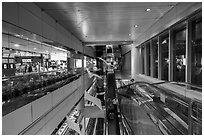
(188, 51)
(159, 58)
(145, 60)
(171, 57)
(152, 59)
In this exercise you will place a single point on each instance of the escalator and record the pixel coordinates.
(111, 107)
(100, 127)
(146, 113)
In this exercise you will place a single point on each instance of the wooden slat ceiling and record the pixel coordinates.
(98, 22)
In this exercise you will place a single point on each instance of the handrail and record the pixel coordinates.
(46, 89)
(157, 83)
(31, 73)
(187, 84)
(123, 118)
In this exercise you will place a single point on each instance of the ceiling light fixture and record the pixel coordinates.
(147, 10)
(16, 45)
(136, 26)
(129, 34)
(34, 48)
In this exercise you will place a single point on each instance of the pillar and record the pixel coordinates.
(159, 58)
(152, 59)
(171, 57)
(145, 60)
(188, 51)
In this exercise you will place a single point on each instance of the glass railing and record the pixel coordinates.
(178, 109)
(188, 90)
(188, 85)
(127, 128)
(18, 91)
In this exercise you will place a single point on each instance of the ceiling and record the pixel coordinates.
(98, 23)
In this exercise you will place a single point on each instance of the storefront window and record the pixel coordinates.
(26, 57)
(32, 66)
(196, 55)
(148, 59)
(179, 51)
(164, 57)
(142, 53)
(155, 57)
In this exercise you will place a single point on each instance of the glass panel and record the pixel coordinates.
(165, 57)
(196, 49)
(179, 51)
(142, 53)
(148, 59)
(155, 56)
(32, 67)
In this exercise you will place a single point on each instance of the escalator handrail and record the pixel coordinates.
(172, 82)
(123, 117)
(187, 84)
(157, 83)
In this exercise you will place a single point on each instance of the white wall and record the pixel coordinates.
(136, 61)
(30, 17)
(126, 66)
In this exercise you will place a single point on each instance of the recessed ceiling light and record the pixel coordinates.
(147, 10)
(129, 34)
(34, 48)
(16, 45)
(136, 26)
